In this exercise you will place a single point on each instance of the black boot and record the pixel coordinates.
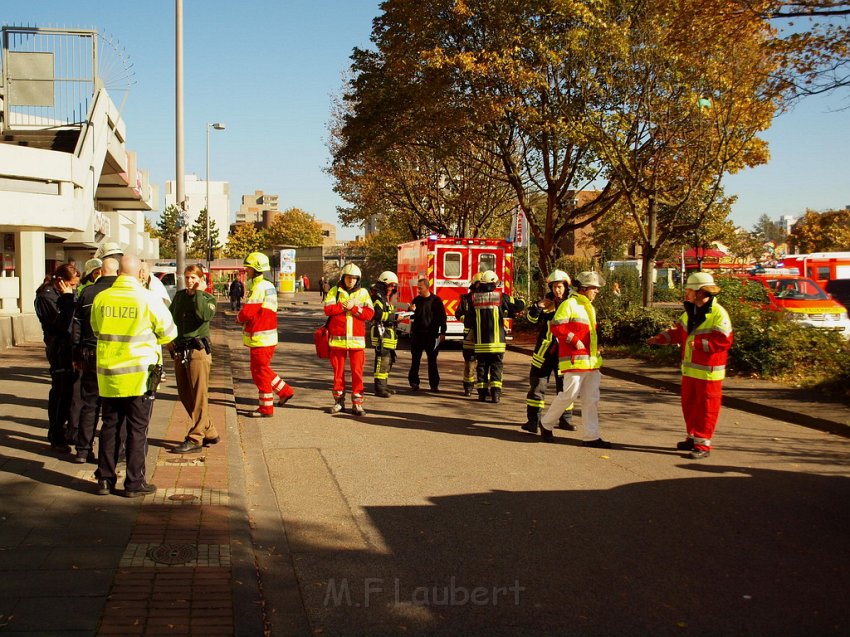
(482, 395)
(467, 389)
(381, 390)
(533, 422)
(495, 395)
(566, 421)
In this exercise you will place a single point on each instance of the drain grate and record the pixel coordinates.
(182, 497)
(173, 553)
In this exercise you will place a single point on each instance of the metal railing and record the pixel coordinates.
(49, 77)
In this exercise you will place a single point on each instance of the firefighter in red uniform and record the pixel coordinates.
(705, 334)
(349, 307)
(258, 317)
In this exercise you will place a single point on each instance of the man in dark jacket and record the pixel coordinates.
(427, 331)
(85, 355)
(236, 293)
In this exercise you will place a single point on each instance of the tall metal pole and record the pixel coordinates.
(208, 251)
(181, 193)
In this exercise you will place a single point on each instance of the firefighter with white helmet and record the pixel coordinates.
(109, 249)
(466, 313)
(491, 309)
(348, 307)
(579, 361)
(382, 335)
(258, 317)
(544, 360)
(704, 332)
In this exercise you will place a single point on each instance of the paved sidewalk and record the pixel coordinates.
(73, 563)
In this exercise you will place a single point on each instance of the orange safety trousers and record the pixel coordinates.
(701, 401)
(268, 382)
(356, 361)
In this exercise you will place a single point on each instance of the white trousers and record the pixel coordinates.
(586, 385)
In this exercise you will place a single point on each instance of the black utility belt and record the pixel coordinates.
(194, 343)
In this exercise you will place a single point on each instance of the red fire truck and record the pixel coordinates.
(449, 264)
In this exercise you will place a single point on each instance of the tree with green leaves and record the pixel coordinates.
(294, 227)
(167, 228)
(245, 240)
(822, 231)
(197, 249)
(768, 230)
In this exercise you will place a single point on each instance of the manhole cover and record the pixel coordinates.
(182, 497)
(173, 553)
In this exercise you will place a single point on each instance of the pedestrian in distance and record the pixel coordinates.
(86, 357)
(348, 307)
(427, 332)
(579, 360)
(382, 334)
(466, 313)
(305, 283)
(491, 308)
(258, 318)
(131, 325)
(192, 310)
(236, 292)
(704, 333)
(544, 360)
(54, 306)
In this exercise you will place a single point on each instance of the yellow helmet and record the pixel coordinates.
(388, 278)
(258, 261)
(558, 275)
(489, 277)
(476, 278)
(349, 269)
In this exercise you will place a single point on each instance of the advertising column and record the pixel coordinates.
(287, 272)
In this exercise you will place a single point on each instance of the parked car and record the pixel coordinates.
(802, 299)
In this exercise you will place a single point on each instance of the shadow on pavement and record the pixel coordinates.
(729, 550)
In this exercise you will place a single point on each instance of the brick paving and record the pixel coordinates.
(175, 574)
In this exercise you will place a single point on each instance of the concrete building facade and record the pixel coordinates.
(67, 181)
(196, 200)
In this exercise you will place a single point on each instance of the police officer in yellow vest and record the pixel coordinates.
(130, 324)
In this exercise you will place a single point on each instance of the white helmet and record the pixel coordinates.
(349, 269)
(702, 281)
(109, 250)
(388, 278)
(558, 275)
(590, 280)
(489, 277)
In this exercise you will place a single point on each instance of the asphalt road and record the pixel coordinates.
(436, 514)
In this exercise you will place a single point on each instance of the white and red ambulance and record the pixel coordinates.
(449, 264)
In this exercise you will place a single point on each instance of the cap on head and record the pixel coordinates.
(109, 250)
(349, 269)
(489, 277)
(257, 261)
(590, 280)
(388, 278)
(92, 265)
(702, 281)
(558, 275)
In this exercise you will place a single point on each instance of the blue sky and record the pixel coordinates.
(269, 70)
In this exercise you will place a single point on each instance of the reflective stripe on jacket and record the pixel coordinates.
(130, 324)
(546, 342)
(384, 311)
(490, 308)
(258, 315)
(574, 325)
(706, 349)
(348, 327)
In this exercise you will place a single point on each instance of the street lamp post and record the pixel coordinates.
(216, 126)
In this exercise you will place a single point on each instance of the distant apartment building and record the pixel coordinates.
(253, 206)
(786, 223)
(195, 191)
